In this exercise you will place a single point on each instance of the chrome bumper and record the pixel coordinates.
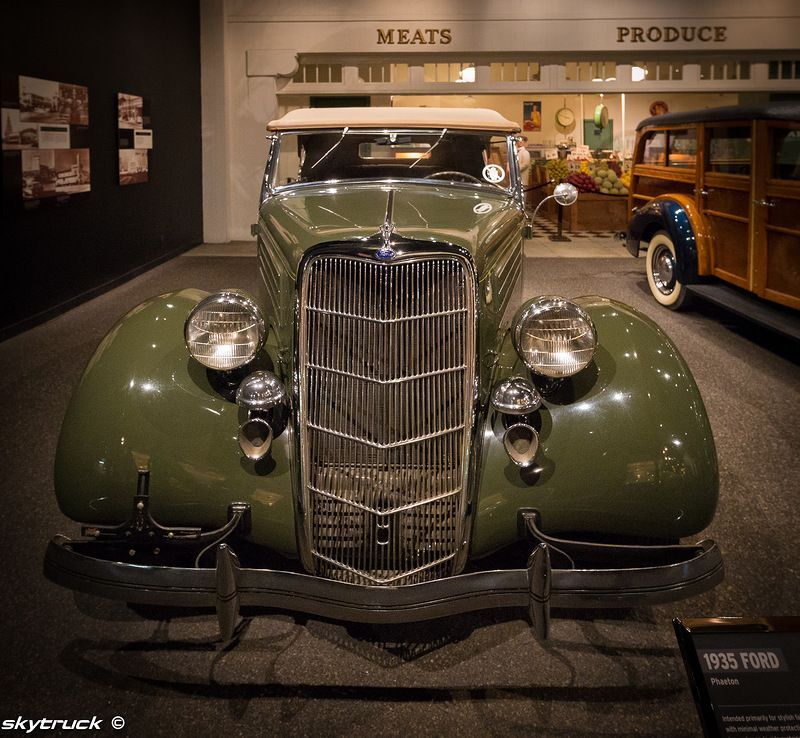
(620, 576)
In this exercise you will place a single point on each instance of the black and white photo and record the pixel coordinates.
(72, 171)
(129, 111)
(38, 174)
(46, 101)
(16, 134)
(133, 166)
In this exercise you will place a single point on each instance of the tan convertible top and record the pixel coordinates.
(478, 119)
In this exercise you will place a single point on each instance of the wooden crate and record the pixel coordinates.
(592, 212)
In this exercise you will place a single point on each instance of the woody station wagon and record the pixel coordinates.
(715, 196)
(387, 417)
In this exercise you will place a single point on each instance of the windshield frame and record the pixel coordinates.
(270, 187)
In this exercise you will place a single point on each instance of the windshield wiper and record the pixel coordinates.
(426, 154)
(325, 155)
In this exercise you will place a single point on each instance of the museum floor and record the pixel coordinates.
(607, 673)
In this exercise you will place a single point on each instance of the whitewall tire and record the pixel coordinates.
(660, 266)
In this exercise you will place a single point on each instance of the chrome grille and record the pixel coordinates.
(386, 365)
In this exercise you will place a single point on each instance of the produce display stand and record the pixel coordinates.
(592, 212)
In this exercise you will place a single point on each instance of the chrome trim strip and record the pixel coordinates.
(394, 444)
(398, 380)
(389, 511)
(385, 580)
(388, 320)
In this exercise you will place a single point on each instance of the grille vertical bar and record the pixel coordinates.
(387, 370)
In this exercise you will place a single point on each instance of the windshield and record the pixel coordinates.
(441, 155)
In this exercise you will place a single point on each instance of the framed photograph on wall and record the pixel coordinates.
(45, 138)
(135, 138)
(532, 115)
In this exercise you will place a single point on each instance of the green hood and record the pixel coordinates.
(306, 216)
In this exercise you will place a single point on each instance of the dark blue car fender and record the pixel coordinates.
(670, 215)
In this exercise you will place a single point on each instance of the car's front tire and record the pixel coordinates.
(661, 269)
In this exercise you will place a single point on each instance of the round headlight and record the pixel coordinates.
(224, 331)
(554, 337)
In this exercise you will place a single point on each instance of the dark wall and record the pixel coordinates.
(61, 253)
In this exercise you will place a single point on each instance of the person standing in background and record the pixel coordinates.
(524, 159)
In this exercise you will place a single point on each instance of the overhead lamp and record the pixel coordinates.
(638, 74)
(467, 74)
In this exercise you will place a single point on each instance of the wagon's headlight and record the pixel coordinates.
(554, 337)
(224, 331)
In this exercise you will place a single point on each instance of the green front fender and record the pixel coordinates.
(625, 446)
(143, 401)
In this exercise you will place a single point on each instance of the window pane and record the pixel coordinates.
(399, 72)
(705, 70)
(744, 70)
(677, 71)
(496, 72)
(663, 70)
(571, 71)
(729, 150)
(682, 149)
(534, 72)
(785, 154)
(786, 70)
(655, 148)
(429, 72)
(773, 70)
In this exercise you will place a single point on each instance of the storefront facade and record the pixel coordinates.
(528, 60)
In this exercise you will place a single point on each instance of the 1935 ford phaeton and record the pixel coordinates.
(384, 413)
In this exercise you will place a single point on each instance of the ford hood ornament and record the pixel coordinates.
(387, 231)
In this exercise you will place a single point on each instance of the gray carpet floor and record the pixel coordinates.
(609, 674)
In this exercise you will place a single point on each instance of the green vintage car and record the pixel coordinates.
(388, 418)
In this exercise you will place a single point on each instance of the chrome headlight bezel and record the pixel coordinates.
(232, 300)
(579, 342)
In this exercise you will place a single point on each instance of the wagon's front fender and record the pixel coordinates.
(625, 445)
(687, 228)
(142, 401)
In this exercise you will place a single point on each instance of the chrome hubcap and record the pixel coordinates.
(663, 270)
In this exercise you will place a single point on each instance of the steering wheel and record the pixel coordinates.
(459, 176)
